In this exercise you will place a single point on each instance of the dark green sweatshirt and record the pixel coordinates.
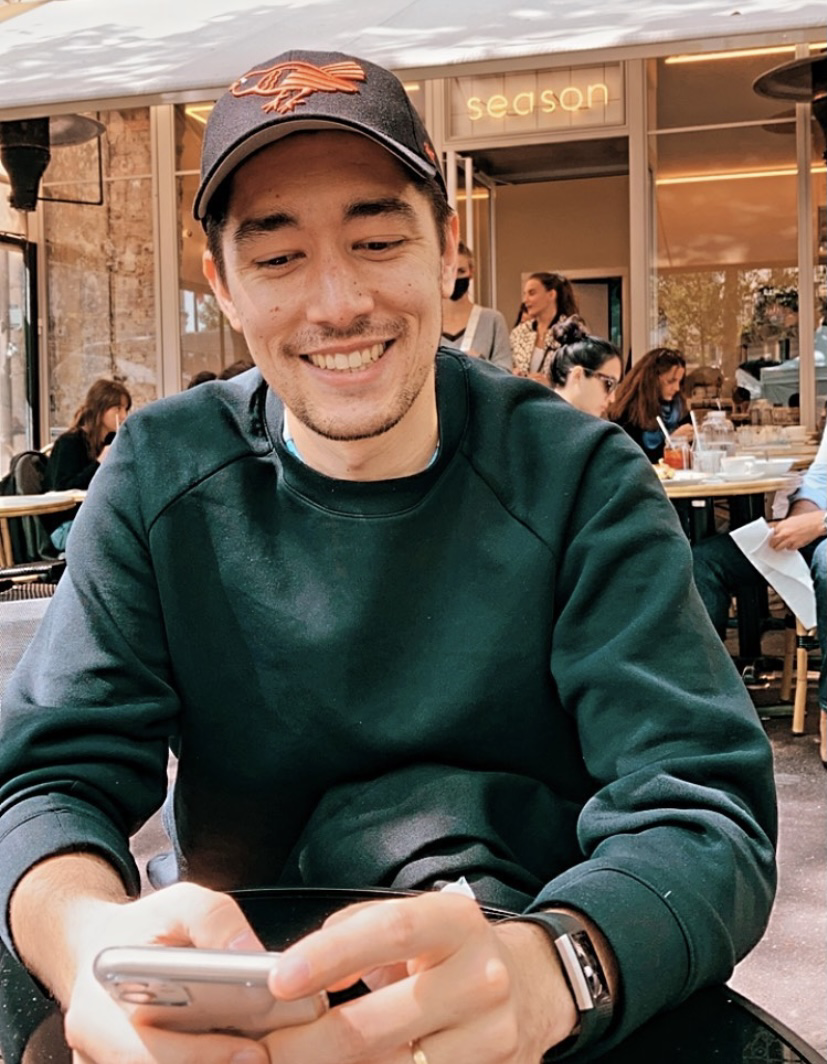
(497, 667)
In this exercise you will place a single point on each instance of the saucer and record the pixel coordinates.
(733, 478)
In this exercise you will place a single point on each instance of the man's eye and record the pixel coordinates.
(380, 245)
(275, 261)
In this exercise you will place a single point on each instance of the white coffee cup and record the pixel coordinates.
(740, 465)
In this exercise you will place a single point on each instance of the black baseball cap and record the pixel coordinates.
(302, 91)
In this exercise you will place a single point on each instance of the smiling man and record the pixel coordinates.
(396, 612)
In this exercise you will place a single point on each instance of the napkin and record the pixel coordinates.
(784, 570)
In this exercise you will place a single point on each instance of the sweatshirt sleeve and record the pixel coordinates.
(501, 346)
(96, 682)
(678, 837)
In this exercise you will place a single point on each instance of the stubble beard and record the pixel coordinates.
(329, 428)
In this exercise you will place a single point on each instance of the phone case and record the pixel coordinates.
(199, 990)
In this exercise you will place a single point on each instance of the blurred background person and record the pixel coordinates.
(202, 377)
(651, 389)
(585, 369)
(78, 453)
(241, 365)
(548, 297)
(475, 330)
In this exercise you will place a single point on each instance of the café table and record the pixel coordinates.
(745, 500)
(716, 1024)
(48, 502)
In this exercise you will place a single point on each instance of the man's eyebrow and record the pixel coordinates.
(391, 205)
(269, 223)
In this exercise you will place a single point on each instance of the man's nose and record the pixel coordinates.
(337, 294)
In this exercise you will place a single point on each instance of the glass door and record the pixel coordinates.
(19, 408)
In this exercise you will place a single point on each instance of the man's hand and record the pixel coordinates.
(797, 531)
(93, 915)
(443, 977)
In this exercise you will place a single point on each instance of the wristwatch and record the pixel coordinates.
(584, 975)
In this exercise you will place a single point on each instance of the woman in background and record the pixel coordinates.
(547, 298)
(585, 369)
(77, 454)
(651, 390)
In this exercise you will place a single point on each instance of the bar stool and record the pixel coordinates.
(798, 642)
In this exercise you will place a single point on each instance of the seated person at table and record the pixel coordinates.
(651, 390)
(720, 567)
(585, 369)
(388, 603)
(78, 453)
(478, 331)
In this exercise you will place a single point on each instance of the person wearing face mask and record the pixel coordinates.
(476, 330)
(652, 390)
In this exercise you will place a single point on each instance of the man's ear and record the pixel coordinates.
(449, 256)
(213, 275)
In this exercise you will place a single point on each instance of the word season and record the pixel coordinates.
(526, 103)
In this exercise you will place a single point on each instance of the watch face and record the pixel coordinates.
(591, 967)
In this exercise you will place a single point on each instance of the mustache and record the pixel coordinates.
(374, 329)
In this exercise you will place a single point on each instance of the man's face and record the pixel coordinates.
(334, 274)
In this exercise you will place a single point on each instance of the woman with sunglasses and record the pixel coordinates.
(585, 369)
(651, 390)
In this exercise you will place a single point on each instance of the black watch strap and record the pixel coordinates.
(584, 975)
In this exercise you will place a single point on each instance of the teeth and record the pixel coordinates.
(351, 361)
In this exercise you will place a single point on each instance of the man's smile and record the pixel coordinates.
(349, 361)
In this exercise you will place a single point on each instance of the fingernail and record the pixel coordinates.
(292, 973)
(245, 941)
(247, 1056)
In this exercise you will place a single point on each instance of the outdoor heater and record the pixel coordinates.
(25, 150)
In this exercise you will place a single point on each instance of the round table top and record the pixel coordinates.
(46, 503)
(717, 487)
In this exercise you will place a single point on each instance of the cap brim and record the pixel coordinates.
(278, 130)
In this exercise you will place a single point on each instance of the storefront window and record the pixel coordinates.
(207, 341)
(100, 281)
(15, 403)
(726, 219)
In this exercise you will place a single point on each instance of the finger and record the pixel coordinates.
(452, 997)
(429, 927)
(109, 1034)
(194, 915)
(376, 977)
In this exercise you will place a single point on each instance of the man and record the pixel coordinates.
(720, 567)
(397, 613)
(475, 330)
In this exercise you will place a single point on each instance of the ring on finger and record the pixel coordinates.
(418, 1054)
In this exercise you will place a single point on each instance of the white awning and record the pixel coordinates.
(66, 52)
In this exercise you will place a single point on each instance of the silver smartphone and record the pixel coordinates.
(200, 990)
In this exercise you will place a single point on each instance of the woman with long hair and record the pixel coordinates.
(548, 297)
(77, 454)
(652, 389)
(585, 369)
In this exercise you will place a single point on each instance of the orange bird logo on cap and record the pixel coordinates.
(289, 84)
